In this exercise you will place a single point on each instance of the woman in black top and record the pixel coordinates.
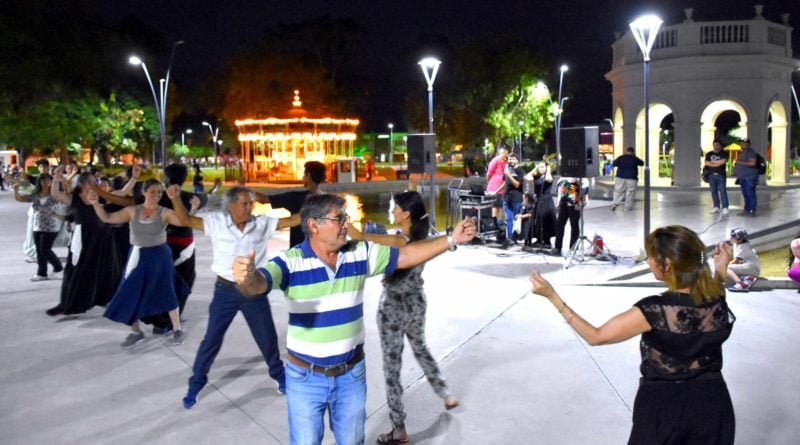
(682, 396)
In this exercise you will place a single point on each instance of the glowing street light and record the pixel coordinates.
(160, 100)
(391, 141)
(645, 29)
(188, 131)
(430, 67)
(563, 69)
(214, 134)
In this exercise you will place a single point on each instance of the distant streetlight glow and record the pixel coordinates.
(644, 30)
(214, 133)
(391, 141)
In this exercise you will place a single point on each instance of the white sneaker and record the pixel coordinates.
(714, 210)
(725, 211)
(38, 278)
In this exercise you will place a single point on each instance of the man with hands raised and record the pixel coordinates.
(323, 278)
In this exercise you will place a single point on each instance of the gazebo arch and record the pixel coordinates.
(778, 150)
(709, 116)
(658, 111)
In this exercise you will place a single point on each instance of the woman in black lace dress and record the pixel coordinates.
(682, 395)
(401, 313)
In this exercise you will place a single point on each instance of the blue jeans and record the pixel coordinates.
(719, 191)
(227, 301)
(511, 211)
(309, 394)
(748, 185)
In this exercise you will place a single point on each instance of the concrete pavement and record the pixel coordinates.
(522, 374)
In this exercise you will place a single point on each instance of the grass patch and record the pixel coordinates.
(773, 262)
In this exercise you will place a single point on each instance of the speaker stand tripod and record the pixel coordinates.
(577, 252)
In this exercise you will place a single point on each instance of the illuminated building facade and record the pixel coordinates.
(277, 148)
(700, 70)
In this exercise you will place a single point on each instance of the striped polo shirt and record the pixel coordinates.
(326, 311)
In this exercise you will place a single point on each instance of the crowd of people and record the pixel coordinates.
(131, 250)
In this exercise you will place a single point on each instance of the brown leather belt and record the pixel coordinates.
(328, 371)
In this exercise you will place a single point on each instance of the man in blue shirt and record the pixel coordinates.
(746, 172)
(627, 176)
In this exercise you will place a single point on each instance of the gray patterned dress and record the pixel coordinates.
(402, 313)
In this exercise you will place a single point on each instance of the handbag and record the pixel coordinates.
(705, 174)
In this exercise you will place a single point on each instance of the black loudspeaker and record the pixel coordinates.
(580, 153)
(421, 153)
(482, 215)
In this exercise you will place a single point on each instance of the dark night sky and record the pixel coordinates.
(578, 33)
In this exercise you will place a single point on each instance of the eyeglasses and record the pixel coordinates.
(341, 219)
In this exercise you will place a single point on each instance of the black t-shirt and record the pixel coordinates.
(514, 194)
(715, 156)
(686, 338)
(293, 202)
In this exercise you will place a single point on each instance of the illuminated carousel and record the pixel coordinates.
(276, 148)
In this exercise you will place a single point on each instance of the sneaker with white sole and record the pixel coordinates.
(725, 211)
(177, 337)
(714, 210)
(132, 339)
(739, 287)
(38, 278)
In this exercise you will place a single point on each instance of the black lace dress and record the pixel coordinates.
(682, 396)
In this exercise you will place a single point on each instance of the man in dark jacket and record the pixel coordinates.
(627, 167)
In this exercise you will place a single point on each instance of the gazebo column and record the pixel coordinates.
(688, 156)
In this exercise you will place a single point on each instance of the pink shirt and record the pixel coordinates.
(495, 173)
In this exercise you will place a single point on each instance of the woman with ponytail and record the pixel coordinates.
(402, 313)
(682, 395)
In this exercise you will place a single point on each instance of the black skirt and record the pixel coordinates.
(687, 412)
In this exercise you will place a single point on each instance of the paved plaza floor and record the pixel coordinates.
(522, 375)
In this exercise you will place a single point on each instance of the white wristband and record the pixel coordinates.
(451, 243)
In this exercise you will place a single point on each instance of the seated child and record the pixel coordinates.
(745, 266)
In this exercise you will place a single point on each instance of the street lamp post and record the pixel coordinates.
(188, 131)
(391, 142)
(563, 69)
(645, 29)
(214, 134)
(160, 100)
(430, 67)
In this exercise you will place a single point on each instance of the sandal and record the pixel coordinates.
(389, 439)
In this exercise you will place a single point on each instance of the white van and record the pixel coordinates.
(9, 157)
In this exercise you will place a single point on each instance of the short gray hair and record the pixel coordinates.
(232, 196)
(318, 206)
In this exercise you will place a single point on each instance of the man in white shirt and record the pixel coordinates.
(233, 232)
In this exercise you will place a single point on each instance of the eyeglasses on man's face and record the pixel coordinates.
(340, 219)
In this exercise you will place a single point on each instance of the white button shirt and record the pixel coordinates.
(228, 241)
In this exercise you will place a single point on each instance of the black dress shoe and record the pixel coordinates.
(55, 310)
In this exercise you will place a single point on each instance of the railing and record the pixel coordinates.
(666, 39)
(726, 33)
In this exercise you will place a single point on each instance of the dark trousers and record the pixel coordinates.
(226, 302)
(573, 215)
(748, 185)
(44, 252)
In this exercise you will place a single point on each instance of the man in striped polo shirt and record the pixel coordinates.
(323, 278)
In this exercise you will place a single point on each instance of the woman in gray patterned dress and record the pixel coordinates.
(402, 313)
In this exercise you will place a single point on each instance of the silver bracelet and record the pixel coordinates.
(451, 243)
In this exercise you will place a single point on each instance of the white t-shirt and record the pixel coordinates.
(229, 242)
(746, 253)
